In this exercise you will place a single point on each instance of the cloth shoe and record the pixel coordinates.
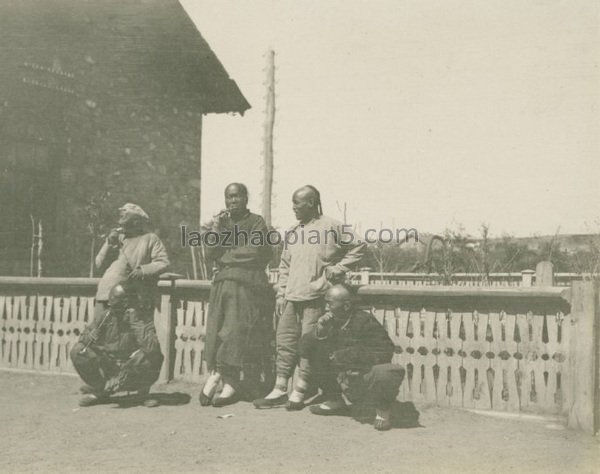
(224, 401)
(147, 400)
(294, 406)
(91, 399)
(151, 402)
(87, 389)
(270, 402)
(382, 425)
(206, 400)
(330, 408)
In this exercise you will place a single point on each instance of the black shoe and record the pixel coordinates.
(151, 402)
(91, 399)
(206, 400)
(318, 410)
(382, 425)
(270, 402)
(87, 389)
(224, 401)
(294, 406)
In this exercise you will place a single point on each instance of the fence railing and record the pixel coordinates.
(531, 349)
(524, 278)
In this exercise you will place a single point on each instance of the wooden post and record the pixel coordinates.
(164, 320)
(544, 274)
(527, 278)
(583, 403)
(40, 247)
(364, 276)
(200, 173)
(268, 150)
(33, 241)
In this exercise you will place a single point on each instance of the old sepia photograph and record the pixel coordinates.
(282, 236)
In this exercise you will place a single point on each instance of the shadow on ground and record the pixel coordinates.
(404, 415)
(163, 398)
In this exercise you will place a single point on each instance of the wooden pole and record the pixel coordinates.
(193, 255)
(200, 174)
(92, 250)
(583, 397)
(268, 140)
(32, 250)
(40, 248)
(165, 319)
(203, 266)
(544, 274)
(194, 265)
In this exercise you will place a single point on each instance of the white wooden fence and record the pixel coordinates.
(521, 349)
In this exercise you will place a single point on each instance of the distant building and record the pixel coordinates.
(101, 102)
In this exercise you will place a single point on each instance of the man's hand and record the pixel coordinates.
(215, 270)
(337, 357)
(113, 237)
(219, 220)
(279, 306)
(136, 274)
(334, 274)
(325, 322)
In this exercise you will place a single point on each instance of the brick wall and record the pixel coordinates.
(114, 92)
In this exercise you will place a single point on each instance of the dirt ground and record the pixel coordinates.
(43, 429)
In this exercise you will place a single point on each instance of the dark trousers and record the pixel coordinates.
(100, 370)
(377, 386)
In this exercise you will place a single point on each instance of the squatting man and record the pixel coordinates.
(118, 351)
(350, 355)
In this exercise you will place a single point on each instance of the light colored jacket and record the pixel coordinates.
(144, 251)
(323, 242)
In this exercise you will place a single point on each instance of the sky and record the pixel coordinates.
(424, 114)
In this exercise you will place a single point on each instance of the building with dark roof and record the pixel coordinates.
(101, 103)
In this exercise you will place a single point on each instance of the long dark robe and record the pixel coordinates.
(239, 328)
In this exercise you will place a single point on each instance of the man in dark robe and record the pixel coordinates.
(118, 350)
(350, 354)
(240, 315)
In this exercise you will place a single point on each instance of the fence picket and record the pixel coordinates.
(456, 360)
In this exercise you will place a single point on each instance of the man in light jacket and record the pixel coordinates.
(317, 253)
(130, 253)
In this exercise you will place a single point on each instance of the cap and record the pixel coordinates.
(134, 209)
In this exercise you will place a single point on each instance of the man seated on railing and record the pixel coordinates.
(118, 350)
(131, 253)
(350, 354)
